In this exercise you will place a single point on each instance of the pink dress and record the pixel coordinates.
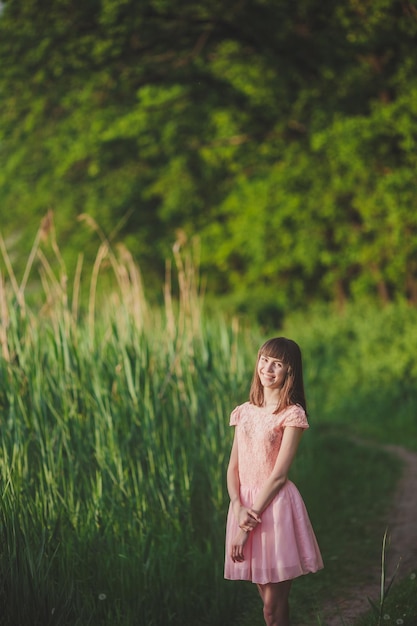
(283, 545)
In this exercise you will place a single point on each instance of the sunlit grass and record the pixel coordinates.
(115, 441)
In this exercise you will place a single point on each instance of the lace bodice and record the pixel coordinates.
(259, 433)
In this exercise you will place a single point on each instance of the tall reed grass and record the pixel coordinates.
(114, 444)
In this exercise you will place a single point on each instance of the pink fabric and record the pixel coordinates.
(283, 546)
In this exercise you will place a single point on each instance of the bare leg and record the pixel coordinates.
(261, 591)
(276, 606)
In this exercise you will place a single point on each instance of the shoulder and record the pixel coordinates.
(295, 415)
(237, 413)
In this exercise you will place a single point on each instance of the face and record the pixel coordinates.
(271, 372)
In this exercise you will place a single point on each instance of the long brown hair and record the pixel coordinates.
(292, 391)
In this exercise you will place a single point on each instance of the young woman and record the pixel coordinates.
(269, 538)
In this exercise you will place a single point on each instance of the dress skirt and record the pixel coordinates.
(282, 547)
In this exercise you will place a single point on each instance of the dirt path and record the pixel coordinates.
(402, 529)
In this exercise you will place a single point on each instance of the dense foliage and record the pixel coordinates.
(280, 133)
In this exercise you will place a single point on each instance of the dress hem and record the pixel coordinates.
(273, 579)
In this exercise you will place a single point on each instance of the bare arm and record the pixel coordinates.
(233, 484)
(245, 521)
(279, 475)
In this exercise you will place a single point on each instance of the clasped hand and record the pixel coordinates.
(248, 520)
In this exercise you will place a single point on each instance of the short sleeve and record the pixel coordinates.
(296, 416)
(234, 416)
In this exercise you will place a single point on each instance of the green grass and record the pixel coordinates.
(360, 369)
(347, 495)
(115, 442)
(114, 470)
(400, 605)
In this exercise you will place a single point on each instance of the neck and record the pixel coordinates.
(271, 397)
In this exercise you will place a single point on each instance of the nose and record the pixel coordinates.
(270, 367)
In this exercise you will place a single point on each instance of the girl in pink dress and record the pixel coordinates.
(269, 538)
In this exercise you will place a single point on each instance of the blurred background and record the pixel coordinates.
(278, 137)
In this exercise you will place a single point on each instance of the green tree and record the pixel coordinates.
(281, 133)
